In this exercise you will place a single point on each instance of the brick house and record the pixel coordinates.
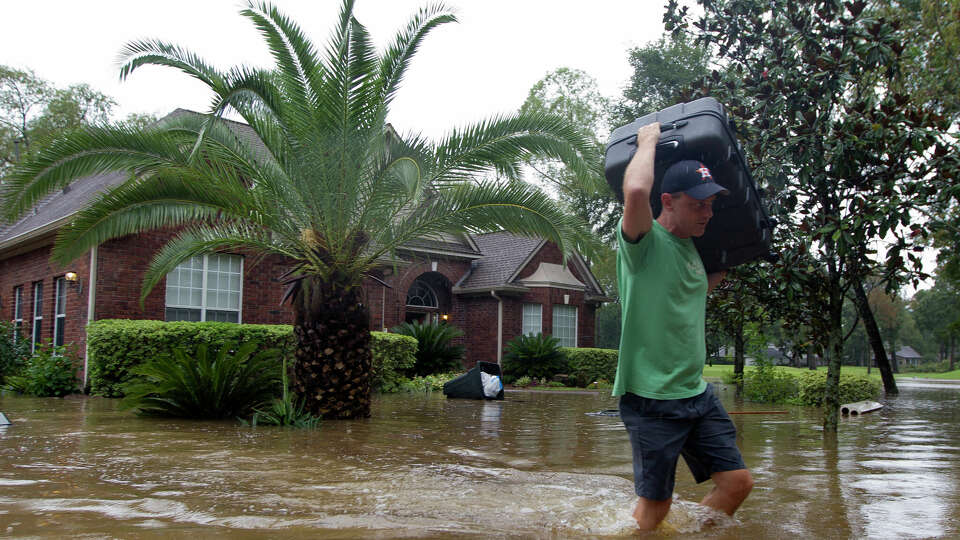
(493, 286)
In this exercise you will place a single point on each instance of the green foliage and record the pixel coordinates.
(118, 345)
(769, 384)
(608, 326)
(538, 356)
(436, 352)
(812, 388)
(930, 367)
(33, 112)
(393, 355)
(573, 94)
(426, 383)
(587, 365)
(50, 372)
(661, 70)
(848, 159)
(197, 383)
(523, 382)
(286, 411)
(14, 350)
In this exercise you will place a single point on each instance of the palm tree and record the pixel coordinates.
(328, 184)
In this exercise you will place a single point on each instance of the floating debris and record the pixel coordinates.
(860, 407)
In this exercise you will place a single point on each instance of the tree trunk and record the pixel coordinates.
(811, 358)
(738, 361)
(834, 349)
(873, 334)
(893, 355)
(333, 357)
(951, 353)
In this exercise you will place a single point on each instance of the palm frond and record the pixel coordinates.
(219, 236)
(396, 58)
(88, 151)
(159, 53)
(295, 57)
(163, 200)
(489, 207)
(503, 143)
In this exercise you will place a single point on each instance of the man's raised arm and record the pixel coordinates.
(638, 183)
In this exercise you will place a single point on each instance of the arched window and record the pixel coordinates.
(421, 294)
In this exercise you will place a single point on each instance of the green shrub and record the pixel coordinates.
(14, 350)
(196, 383)
(586, 366)
(393, 355)
(769, 384)
(537, 357)
(50, 372)
(853, 388)
(436, 352)
(929, 367)
(523, 381)
(730, 377)
(118, 345)
(286, 410)
(427, 383)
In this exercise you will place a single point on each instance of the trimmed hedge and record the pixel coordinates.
(117, 345)
(853, 388)
(587, 365)
(393, 354)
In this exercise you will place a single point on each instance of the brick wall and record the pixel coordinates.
(122, 264)
(548, 297)
(24, 270)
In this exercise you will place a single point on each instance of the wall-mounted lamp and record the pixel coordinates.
(445, 317)
(73, 278)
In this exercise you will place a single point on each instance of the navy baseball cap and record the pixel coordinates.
(693, 178)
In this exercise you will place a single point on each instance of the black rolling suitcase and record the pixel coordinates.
(740, 230)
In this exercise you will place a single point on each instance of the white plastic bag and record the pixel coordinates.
(491, 384)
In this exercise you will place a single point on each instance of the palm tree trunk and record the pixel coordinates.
(333, 358)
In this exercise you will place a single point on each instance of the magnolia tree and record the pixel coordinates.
(846, 158)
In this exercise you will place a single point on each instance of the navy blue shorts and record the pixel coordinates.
(698, 428)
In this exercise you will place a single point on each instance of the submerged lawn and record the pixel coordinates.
(718, 371)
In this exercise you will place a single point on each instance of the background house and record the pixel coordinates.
(908, 357)
(493, 286)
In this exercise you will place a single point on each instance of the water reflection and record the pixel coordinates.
(534, 465)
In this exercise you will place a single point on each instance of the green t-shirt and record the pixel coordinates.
(663, 295)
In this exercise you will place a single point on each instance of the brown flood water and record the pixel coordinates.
(533, 466)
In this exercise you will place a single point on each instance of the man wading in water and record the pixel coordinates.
(666, 406)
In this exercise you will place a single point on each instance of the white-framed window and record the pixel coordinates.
(37, 315)
(206, 288)
(17, 312)
(565, 325)
(59, 311)
(532, 319)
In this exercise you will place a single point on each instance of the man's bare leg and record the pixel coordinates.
(731, 489)
(649, 513)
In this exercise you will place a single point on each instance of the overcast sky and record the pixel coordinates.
(465, 71)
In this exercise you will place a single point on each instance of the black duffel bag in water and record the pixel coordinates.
(740, 230)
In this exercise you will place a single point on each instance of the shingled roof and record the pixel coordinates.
(504, 256)
(497, 257)
(56, 208)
